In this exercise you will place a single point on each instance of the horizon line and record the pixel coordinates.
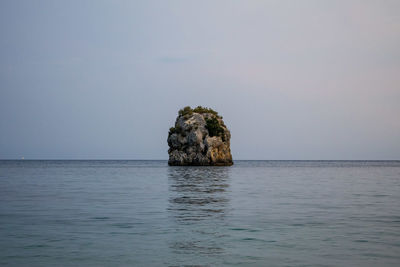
(68, 159)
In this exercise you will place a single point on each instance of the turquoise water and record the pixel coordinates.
(145, 213)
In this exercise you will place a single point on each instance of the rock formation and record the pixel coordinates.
(199, 137)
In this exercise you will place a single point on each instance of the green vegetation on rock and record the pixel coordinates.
(173, 130)
(214, 128)
(185, 111)
(199, 109)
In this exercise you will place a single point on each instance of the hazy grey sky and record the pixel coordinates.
(292, 79)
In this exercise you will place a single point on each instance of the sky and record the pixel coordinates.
(294, 80)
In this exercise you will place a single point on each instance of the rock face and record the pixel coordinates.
(199, 137)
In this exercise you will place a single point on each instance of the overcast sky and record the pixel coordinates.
(292, 79)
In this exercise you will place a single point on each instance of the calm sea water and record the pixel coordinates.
(145, 213)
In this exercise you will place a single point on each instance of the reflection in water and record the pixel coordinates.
(197, 204)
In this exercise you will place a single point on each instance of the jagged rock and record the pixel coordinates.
(199, 137)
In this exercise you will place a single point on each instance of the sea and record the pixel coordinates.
(146, 213)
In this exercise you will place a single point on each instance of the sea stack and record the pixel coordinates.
(199, 138)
